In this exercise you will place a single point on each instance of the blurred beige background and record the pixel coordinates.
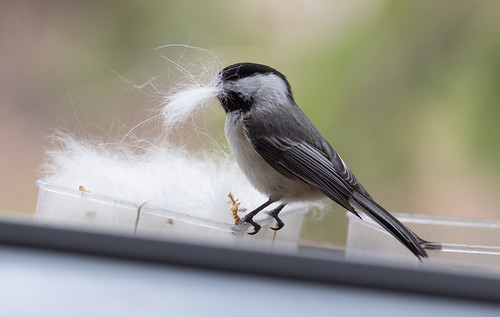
(407, 92)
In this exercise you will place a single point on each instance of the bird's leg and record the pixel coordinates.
(248, 218)
(274, 213)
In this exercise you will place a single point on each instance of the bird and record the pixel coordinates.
(285, 157)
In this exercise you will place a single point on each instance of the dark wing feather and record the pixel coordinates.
(306, 163)
(341, 167)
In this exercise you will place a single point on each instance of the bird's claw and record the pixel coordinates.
(249, 220)
(256, 227)
(279, 223)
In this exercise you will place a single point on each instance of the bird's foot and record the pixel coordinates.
(279, 223)
(274, 214)
(249, 219)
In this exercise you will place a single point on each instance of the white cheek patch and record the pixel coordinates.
(262, 87)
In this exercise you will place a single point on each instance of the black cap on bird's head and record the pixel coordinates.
(242, 70)
(234, 96)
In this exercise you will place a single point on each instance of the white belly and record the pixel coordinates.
(261, 175)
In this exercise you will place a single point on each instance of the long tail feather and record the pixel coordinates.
(407, 237)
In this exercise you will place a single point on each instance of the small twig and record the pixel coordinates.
(235, 204)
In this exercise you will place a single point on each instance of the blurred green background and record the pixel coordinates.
(407, 91)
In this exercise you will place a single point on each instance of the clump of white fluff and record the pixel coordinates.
(192, 93)
(162, 176)
(180, 105)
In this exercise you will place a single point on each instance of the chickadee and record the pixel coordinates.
(284, 156)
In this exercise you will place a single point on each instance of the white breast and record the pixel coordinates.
(261, 175)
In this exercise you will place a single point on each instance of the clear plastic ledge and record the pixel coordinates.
(467, 243)
(70, 207)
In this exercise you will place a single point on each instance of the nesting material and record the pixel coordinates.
(235, 207)
(166, 177)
